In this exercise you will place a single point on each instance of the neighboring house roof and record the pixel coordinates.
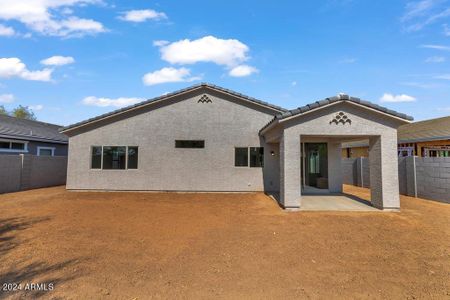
(22, 129)
(170, 95)
(428, 130)
(333, 100)
(422, 131)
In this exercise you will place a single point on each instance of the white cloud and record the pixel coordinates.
(419, 14)
(50, 17)
(14, 67)
(6, 31)
(7, 98)
(160, 43)
(228, 53)
(105, 102)
(443, 76)
(396, 98)
(168, 75)
(421, 85)
(436, 47)
(350, 60)
(435, 59)
(36, 107)
(242, 71)
(446, 30)
(142, 15)
(58, 60)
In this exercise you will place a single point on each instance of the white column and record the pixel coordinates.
(334, 167)
(290, 170)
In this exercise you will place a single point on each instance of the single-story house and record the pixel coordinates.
(207, 138)
(22, 136)
(428, 138)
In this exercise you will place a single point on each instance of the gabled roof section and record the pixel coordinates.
(428, 130)
(173, 94)
(332, 100)
(22, 129)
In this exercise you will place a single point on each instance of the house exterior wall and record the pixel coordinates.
(60, 149)
(223, 124)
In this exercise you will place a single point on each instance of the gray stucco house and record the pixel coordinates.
(22, 136)
(207, 138)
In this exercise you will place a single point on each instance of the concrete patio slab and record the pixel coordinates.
(335, 203)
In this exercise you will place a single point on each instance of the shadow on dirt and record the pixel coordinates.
(39, 273)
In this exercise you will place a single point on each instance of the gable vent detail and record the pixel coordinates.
(204, 99)
(341, 118)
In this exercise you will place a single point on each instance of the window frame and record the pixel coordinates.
(39, 148)
(201, 141)
(248, 157)
(101, 158)
(10, 150)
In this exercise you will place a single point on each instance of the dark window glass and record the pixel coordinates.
(189, 144)
(45, 152)
(18, 146)
(114, 157)
(256, 157)
(132, 157)
(4, 145)
(96, 162)
(241, 157)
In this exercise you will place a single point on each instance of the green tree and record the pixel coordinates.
(23, 112)
(3, 110)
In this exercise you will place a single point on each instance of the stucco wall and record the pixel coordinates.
(224, 124)
(318, 126)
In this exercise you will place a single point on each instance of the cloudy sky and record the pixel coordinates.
(73, 59)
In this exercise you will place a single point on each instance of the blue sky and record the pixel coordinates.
(74, 59)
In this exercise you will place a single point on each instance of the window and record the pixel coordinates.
(241, 157)
(114, 157)
(189, 144)
(256, 157)
(13, 146)
(132, 157)
(96, 161)
(253, 157)
(45, 151)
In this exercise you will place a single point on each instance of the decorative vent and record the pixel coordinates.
(341, 118)
(204, 99)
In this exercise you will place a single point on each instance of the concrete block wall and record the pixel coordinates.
(423, 177)
(433, 178)
(23, 172)
(10, 173)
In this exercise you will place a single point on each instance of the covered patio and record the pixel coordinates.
(309, 142)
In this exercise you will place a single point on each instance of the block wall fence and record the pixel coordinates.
(423, 177)
(24, 172)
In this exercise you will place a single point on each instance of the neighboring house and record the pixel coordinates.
(429, 138)
(207, 138)
(21, 136)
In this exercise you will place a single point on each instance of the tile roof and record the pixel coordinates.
(338, 98)
(191, 88)
(433, 129)
(23, 129)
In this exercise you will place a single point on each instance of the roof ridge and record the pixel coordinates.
(28, 120)
(171, 94)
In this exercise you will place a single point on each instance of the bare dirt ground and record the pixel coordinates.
(167, 245)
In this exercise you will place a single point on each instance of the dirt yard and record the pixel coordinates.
(167, 245)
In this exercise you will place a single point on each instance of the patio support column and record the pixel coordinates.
(290, 170)
(334, 167)
(383, 163)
